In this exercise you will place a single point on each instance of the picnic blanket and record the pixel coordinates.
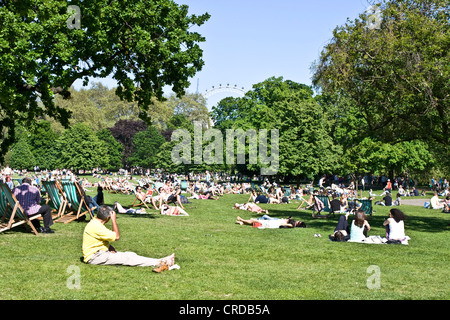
(380, 240)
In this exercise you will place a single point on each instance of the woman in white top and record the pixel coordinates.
(395, 227)
(360, 227)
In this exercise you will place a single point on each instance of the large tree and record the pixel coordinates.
(395, 72)
(305, 146)
(124, 132)
(144, 45)
(146, 146)
(79, 148)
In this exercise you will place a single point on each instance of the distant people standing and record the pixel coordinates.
(321, 181)
(7, 171)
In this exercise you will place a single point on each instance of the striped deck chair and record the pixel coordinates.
(4, 207)
(80, 207)
(326, 208)
(13, 214)
(57, 197)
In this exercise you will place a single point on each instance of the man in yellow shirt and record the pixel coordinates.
(98, 251)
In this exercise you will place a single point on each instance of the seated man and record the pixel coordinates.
(387, 200)
(174, 197)
(98, 251)
(335, 204)
(260, 198)
(29, 198)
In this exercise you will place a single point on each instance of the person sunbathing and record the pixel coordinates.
(172, 211)
(272, 223)
(249, 206)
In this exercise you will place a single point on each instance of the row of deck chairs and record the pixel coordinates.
(366, 206)
(155, 188)
(65, 198)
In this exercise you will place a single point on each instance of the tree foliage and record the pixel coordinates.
(144, 45)
(305, 146)
(21, 156)
(397, 75)
(79, 148)
(124, 132)
(146, 146)
(114, 150)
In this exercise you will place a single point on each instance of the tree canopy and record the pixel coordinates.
(396, 75)
(144, 45)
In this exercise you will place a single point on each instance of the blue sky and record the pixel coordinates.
(249, 41)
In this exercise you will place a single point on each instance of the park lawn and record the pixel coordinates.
(220, 260)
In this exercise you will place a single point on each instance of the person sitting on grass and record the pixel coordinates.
(261, 198)
(172, 211)
(360, 227)
(98, 251)
(398, 200)
(435, 202)
(447, 205)
(395, 227)
(272, 223)
(249, 206)
(99, 197)
(162, 196)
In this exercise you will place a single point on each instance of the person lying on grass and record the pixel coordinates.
(249, 206)
(98, 251)
(172, 211)
(207, 196)
(122, 210)
(268, 222)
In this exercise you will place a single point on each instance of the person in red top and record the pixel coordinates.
(29, 198)
(388, 186)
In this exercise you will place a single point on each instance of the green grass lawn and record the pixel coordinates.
(220, 260)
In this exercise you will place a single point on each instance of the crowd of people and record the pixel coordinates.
(161, 190)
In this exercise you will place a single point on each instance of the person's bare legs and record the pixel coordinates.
(153, 203)
(179, 201)
(247, 222)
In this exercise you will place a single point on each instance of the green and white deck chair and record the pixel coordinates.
(367, 207)
(4, 207)
(287, 192)
(56, 196)
(184, 185)
(80, 207)
(13, 214)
